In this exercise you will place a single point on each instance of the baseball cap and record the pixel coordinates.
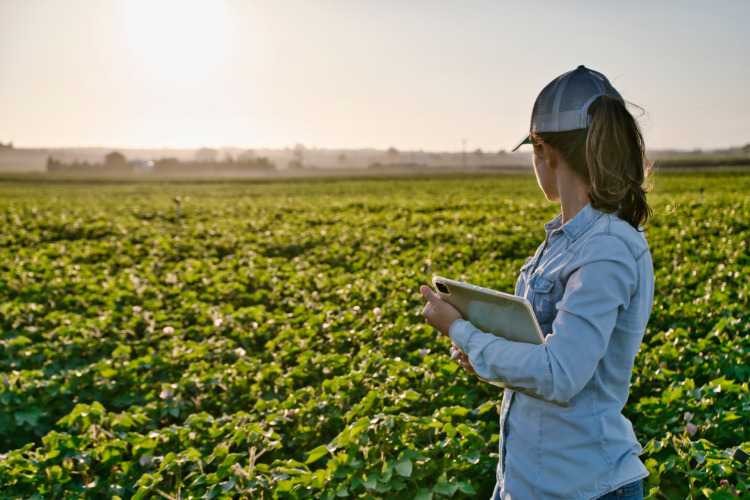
(564, 103)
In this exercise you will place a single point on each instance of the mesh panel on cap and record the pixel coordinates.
(545, 103)
(577, 93)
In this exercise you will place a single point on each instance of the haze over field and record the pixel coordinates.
(335, 74)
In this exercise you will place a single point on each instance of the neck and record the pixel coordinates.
(573, 193)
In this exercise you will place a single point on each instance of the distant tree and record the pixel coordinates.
(168, 162)
(206, 155)
(478, 152)
(53, 165)
(264, 164)
(299, 156)
(393, 153)
(247, 155)
(342, 158)
(114, 159)
(746, 149)
(6, 146)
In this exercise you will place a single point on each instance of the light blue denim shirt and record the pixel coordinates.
(591, 284)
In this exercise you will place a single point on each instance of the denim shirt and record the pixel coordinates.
(591, 284)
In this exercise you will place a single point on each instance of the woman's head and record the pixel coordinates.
(585, 120)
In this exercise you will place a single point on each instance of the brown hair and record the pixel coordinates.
(610, 157)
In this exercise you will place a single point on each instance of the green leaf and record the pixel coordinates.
(228, 485)
(285, 486)
(411, 395)
(423, 494)
(316, 453)
(450, 430)
(30, 417)
(342, 491)
(473, 457)
(466, 431)
(370, 481)
(445, 489)
(466, 488)
(404, 468)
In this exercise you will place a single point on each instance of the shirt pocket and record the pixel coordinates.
(542, 291)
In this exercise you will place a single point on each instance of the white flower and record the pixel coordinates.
(691, 429)
(137, 309)
(688, 416)
(168, 330)
(377, 311)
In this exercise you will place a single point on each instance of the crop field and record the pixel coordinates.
(269, 343)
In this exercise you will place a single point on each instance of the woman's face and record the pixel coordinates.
(545, 176)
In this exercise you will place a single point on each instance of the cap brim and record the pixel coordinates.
(526, 140)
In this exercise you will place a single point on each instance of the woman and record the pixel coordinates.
(591, 284)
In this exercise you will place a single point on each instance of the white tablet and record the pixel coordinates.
(501, 314)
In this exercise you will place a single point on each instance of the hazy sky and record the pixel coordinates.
(353, 73)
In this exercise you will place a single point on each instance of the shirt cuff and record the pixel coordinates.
(460, 332)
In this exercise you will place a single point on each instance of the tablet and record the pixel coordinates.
(501, 314)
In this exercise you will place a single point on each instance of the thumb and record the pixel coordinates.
(428, 294)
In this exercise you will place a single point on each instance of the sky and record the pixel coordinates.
(408, 74)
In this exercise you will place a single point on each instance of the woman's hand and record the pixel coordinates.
(439, 314)
(462, 359)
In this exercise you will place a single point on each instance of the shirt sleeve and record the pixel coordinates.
(603, 280)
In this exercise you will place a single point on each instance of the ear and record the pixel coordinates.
(551, 155)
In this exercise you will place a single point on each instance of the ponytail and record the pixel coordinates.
(610, 157)
(616, 160)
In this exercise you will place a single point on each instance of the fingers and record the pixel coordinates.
(429, 308)
(428, 294)
(467, 367)
(439, 314)
(455, 352)
(463, 361)
(427, 312)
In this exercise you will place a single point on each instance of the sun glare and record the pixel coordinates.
(182, 43)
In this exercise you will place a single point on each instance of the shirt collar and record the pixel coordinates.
(576, 226)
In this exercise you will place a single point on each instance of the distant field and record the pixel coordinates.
(269, 344)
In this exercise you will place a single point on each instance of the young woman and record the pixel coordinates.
(591, 284)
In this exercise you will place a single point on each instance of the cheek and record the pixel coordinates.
(542, 178)
(537, 162)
